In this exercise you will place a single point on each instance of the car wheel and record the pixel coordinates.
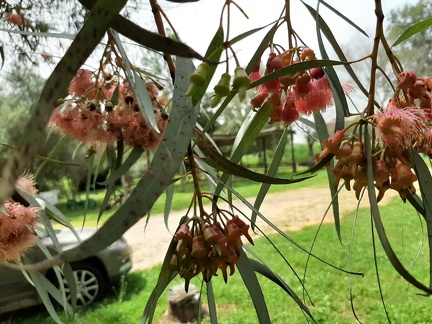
(91, 284)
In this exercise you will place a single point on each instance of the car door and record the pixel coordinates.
(16, 291)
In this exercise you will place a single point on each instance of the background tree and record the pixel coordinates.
(416, 52)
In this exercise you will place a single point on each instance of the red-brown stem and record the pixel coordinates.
(374, 56)
(156, 9)
(288, 21)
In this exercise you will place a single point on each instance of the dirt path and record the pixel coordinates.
(290, 211)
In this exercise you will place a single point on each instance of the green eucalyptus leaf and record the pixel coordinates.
(307, 122)
(40, 283)
(38, 33)
(292, 69)
(249, 68)
(2, 56)
(50, 211)
(340, 102)
(338, 50)
(269, 274)
(344, 18)
(166, 275)
(250, 280)
(415, 201)
(246, 136)
(272, 171)
(97, 23)
(169, 192)
(137, 84)
(425, 182)
(394, 260)
(248, 33)
(219, 162)
(211, 301)
(213, 53)
(413, 29)
(132, 158)
(322, 132)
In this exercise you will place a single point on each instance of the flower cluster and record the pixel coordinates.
(17, 232)
(209, 245)
(404, 124)
(305, 92)
(388, 172)
(15, 18)
(91, 117)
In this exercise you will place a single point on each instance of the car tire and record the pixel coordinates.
(91, 284)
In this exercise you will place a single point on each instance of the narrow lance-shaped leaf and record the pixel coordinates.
(252, 63)
(133, 156)
(274, 166)
(340, 102)
(425, 182)
(219, 162)
(249, 130)
(97, 23)
(166, 275)
(263, 269)
(168, 203)
(211, 301)
(413, 29)
(332, 40)
(137, 84)
(214, 52)
(252, 285)
(322, 132)
(344, 18)
(394, 260)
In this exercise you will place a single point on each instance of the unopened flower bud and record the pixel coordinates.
(198, 78)
(241, 82)
(222, 89)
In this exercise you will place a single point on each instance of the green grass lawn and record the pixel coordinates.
(329, 288)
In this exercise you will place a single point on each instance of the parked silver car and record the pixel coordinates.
(93, 275)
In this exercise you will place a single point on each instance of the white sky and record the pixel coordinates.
(197, 22)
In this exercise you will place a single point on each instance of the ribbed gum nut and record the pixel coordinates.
(404, 175)
(198, 78)
(234, 231)
(337, 171)
(244, 228)
(258, 100)
(241, 82)
(222, 89)
(406, 79)
(199, 250)
(428, 83)
(344, 150)
(355, 157)
(183, 233)
(360, 181)
(212, 234)
(307, 54)
(331, 145)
